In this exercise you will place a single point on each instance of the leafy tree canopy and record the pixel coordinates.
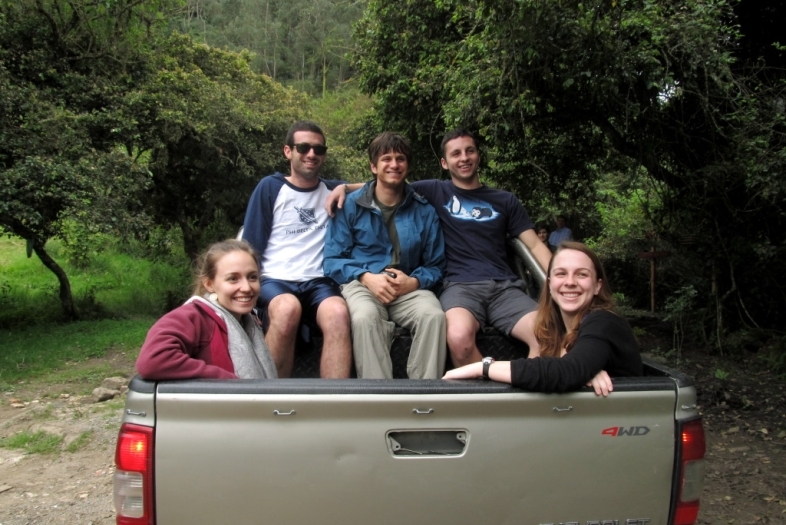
(63, 67)
(564, 92)
(209, 128)
(107, 122)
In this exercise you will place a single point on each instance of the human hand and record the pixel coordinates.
(471, 371)
(601, 383)
(335, 199)
(403, 283)
(380, 285)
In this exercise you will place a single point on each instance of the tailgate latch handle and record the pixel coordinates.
(563, 409)
(279, 413)
(421, 411)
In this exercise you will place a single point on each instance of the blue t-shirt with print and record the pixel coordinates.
(476, 224)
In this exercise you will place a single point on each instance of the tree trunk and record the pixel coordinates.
(66, 299)
(190, 240)
(324, 74)
(266, 38)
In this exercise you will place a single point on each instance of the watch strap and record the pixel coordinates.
(486, 365)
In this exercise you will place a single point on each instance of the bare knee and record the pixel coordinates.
(333, 320)
(333, 314)
(524, 331)
(461, 331)
(460, 341)
(284, 313)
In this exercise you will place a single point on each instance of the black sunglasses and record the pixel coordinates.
(305, 147)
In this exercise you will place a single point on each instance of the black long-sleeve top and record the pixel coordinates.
(605, 342)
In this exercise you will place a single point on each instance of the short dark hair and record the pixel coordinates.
(456, 133)
(387, 141)
(303, 125)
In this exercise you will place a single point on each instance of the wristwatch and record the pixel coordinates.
(486, 364)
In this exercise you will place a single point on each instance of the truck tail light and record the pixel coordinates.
(133, 478)
(690, 470)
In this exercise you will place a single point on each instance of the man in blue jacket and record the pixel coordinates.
(385, 248)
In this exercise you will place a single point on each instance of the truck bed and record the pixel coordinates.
(295, 451)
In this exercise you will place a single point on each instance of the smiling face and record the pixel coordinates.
(543, 235)
(391, 169)
(461, 160)
(573, 283)
(236, 282)
(305, 167)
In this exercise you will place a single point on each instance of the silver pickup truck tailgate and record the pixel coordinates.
(411, 452)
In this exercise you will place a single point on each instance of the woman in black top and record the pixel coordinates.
(579, 334)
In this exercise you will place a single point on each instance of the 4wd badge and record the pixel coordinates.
(622, 431)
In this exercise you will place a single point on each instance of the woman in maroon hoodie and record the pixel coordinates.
(214, 334)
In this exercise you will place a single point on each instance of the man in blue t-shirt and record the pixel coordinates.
(286, 224)
(479, 288)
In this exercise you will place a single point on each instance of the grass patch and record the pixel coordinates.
(52, 353)
(120, 289)
(89, 375)
(33, 442)
(110, 282)
(82, 440)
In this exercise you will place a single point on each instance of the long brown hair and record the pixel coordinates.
(208, 260)
(550, 330)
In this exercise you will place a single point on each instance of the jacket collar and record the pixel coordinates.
(366, 197)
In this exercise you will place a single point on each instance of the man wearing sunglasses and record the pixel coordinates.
(479, 287)
(386, 249)
(286, 224)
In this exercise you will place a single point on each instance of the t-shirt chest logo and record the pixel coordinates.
(307, 215)
(471, 210)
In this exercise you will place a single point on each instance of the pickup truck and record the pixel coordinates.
(312, 451)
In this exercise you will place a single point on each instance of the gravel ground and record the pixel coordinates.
(66, 487)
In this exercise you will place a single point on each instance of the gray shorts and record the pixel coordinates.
(500, 304)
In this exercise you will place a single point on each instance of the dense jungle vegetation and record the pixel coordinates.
(652, 124)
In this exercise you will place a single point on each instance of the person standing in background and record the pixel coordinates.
(562, 233)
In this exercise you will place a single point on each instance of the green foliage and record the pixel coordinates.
(53, 350)
(680, 311)
(639, 332)
(345, 117)
(302, 44)
(211, 128)
(108, 125)
(115, 284)
(565, 95)
(624, 204)
(721, 374)
(40, 442)
(63, 68)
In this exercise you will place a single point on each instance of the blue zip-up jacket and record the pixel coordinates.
(357, 240)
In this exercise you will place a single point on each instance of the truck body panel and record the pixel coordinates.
(400, 451)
